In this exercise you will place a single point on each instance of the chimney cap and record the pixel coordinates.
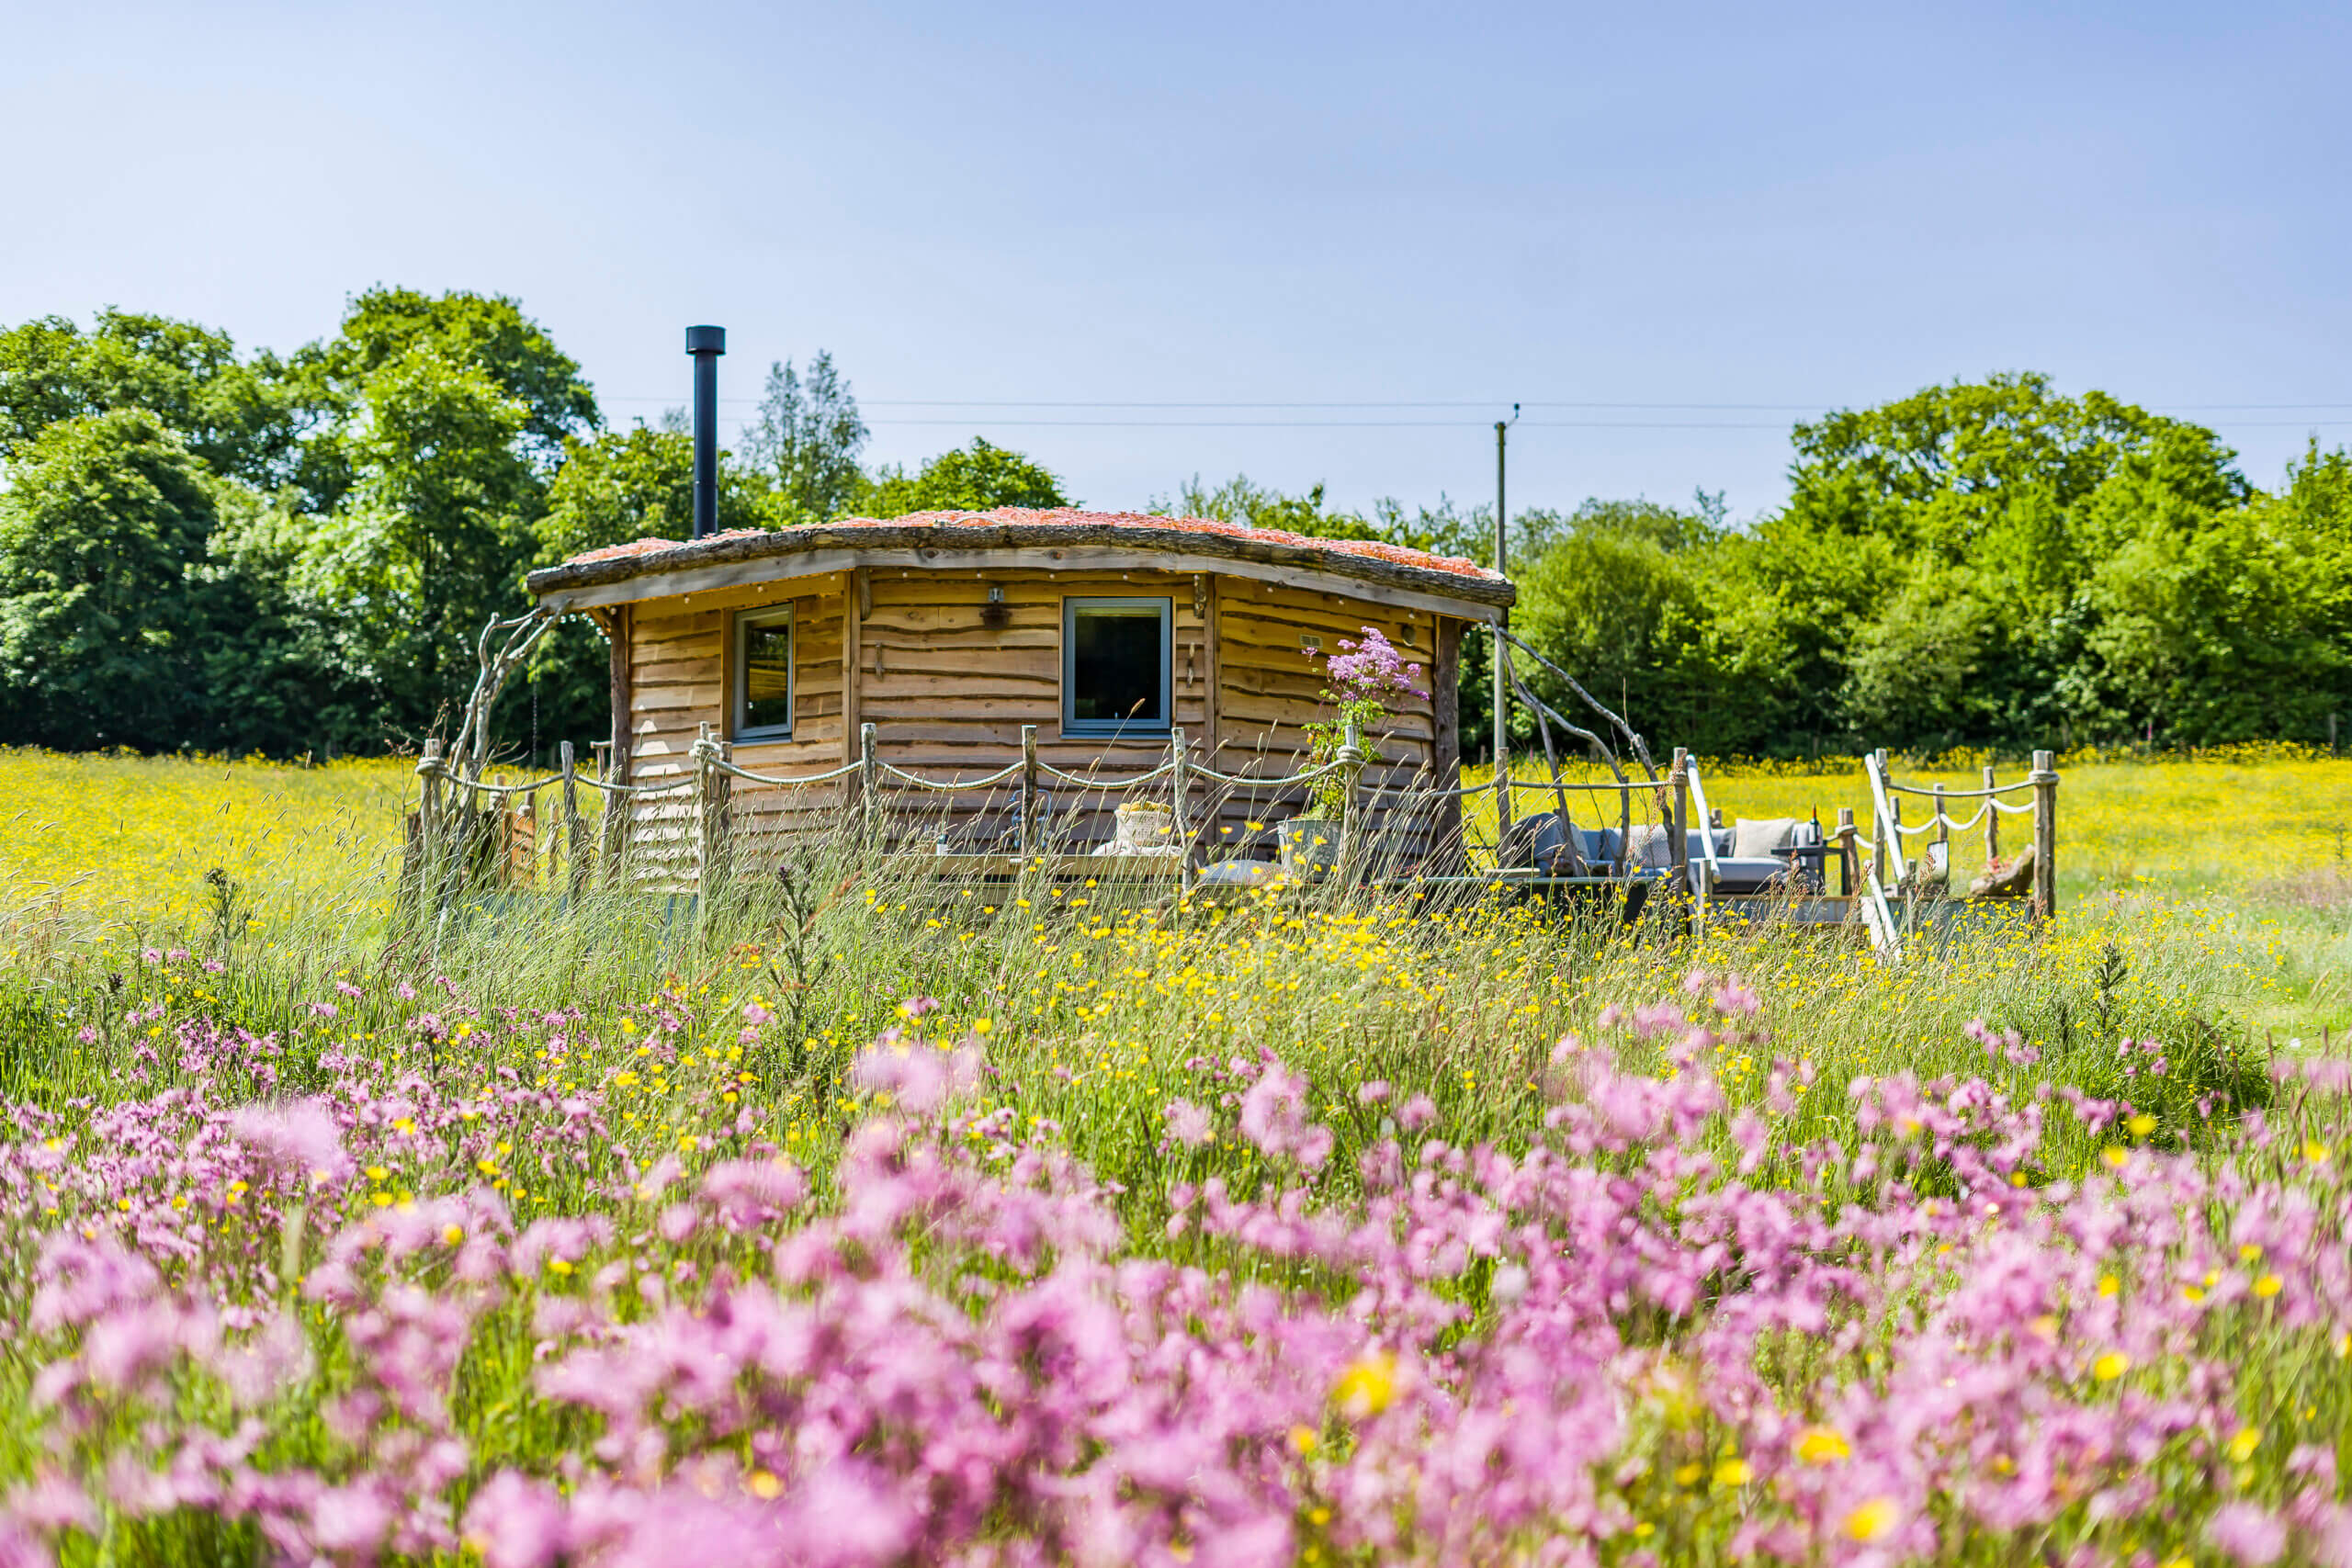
(705, 340)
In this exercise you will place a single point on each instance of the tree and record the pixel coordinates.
(981, 480)
(486, 334)
(1239, 500)
(101, 520)
(241, 419)
(806, 439)
(429, 539)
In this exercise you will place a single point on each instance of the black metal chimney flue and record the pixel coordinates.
(705, 344)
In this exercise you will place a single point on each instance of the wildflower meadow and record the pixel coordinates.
(869, 1219)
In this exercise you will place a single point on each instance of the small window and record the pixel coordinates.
(1115, 659)
(764, 675)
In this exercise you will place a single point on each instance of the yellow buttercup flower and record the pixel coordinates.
(1873, 1521)
(1368, 1387)
(2112, 1365)
(1823, 1445)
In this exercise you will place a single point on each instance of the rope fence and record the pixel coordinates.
(1389, 824)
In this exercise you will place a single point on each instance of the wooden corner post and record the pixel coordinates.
(1025, 838)
(869, 785)
(1992, 822)
(2045, 833)
(1678, 834)
(1180, 815)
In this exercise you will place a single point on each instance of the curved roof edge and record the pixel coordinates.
(1012, 528)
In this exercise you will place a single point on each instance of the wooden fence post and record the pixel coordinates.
(1351, 760)
(705, 816)
(429, 826)
(1025, 834)
(869, 782)
(618, 815)
(722, 810)
(2045, 833)
(575, 832)
(1180, 817)
(1846, 851)
(1991, 821)
(1679, 847)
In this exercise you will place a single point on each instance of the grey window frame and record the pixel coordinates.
(739, 696)
(1072, 607)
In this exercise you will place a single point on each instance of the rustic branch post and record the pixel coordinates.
(1846, 851)
(2045, 833)
(575, 831)
(1350, 760)
(429, 826)
(1992, 822)
(869, 790)
(1025, 834)
(1679, 847)
(1180, 819)
(722, 808)
(620, 819)
(709, 845)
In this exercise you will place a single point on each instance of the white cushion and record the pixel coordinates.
(1754, 838)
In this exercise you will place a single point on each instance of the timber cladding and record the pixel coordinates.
(948, 675)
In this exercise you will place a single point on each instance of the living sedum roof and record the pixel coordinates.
(1020, 529)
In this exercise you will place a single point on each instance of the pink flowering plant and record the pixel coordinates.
(1365, 677)
(431, 1287)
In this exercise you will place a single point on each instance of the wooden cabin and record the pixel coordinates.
(949, 632)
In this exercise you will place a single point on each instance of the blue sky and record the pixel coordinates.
(1698, 223)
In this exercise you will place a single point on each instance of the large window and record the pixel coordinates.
(763, 694)
(1115, 660)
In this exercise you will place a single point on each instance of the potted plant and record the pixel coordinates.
(1365, 675)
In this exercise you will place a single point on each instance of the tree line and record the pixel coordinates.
(204, 549)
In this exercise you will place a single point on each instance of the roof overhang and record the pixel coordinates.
(742, 559)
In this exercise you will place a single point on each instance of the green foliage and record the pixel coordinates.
(806, 440)
(240, 417)
(103, 519)
(980, 479)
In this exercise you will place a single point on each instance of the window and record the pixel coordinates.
(1115, 659)
(764, 675)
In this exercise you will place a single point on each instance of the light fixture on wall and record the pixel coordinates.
(996, 613)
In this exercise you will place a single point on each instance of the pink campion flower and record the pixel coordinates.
(350, 1521)
(1375, 1091)
(1417, 1113)
(348, 989)
(2248, 1532)
(752, 1191)
(516, 1522)
(755, 1015)
(405, 991)
(1274, 1119)
(1187, 1124)
(919, 1078)
(299, 1136)
(323, 1010)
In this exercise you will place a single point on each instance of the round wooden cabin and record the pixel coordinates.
(949, 632)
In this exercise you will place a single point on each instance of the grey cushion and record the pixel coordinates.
(1738, 874)
(1755, 838)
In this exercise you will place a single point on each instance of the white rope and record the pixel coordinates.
(890, 771)
(1964, 794)
(1086, 781)
(733, 771)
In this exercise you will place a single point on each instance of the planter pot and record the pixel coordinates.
(1310, 847)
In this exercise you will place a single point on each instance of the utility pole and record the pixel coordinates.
(1502, 619)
